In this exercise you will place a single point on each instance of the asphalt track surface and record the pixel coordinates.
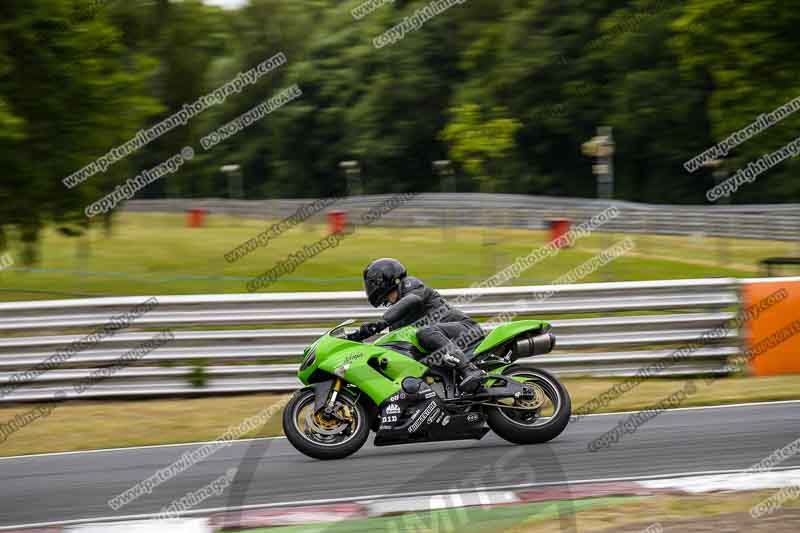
(63, 487)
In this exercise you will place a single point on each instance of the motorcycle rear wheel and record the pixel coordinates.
(527, 427)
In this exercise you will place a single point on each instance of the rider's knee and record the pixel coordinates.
(425, 334)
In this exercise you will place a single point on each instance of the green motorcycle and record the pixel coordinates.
(353, 387)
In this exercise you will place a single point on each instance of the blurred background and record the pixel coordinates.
(477, 135)
(486, 98)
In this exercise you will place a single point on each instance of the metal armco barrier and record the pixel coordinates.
(758, 221)
(611, 329)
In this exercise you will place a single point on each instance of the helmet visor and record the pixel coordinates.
(377, 289)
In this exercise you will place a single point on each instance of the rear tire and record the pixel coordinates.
(502, 423)
(313, 444)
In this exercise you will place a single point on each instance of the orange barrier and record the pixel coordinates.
(558, 228)
(196, 217)
(772, 331)
(337, 221)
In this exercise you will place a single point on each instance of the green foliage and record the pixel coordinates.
(745, 53)
(509, 90)
(198, 377)
(70, 91)
(477, 143)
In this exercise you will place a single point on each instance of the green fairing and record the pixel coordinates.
(406, 334)
(332, 353)
(508, 331)
(498, 336)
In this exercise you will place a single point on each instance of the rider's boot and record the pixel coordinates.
(453, 357)
(470, 377)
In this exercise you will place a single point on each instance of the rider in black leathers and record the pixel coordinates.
(386, 282)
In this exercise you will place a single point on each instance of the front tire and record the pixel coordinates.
(320, 438)
(520, 428)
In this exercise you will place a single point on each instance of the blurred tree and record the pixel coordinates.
(188, 37)
(67, 82)
(78, 78)
(745, 54)
(657, 114)
(275, 151)
(528, 57)
(478, 144)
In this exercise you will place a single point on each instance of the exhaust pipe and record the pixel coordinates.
(534, 345)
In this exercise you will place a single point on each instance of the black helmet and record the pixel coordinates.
(380, 277)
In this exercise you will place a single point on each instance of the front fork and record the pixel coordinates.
(331, 404)
(325, 395)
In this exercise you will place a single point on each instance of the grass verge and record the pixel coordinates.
(157, 254)
(703, 513)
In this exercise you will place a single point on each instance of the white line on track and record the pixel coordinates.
(697, 408)
(124, 449)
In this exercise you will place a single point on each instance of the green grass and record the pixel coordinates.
(158, 254)
(698, 513)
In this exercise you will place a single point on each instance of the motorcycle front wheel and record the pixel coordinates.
(321, 436)
(532, 421)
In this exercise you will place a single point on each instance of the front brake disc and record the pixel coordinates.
(335, 425)
(323, 427)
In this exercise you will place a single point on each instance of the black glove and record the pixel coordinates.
(355, 336)
(367, 330)
(371, 328)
